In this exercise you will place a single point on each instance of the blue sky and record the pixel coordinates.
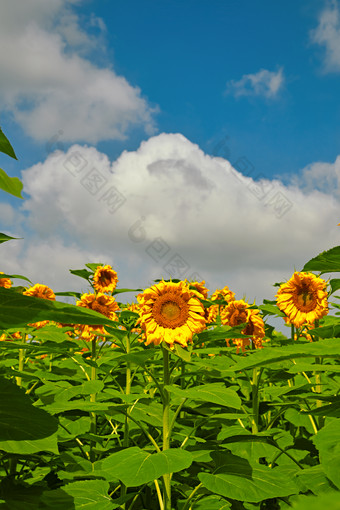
(212, 91)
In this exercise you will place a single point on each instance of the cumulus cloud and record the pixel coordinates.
(327, 34)
(263, 83)
(321, 176)
(49, 83)
(170, 210)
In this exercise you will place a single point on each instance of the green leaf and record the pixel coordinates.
(326, 262)
(5, 145)
(236, 478)
(135, 467)
(19, 419)
(329, 500)
(216, 393)
(335, 285)
(212, 503)
(4, 238)
(329, 347)
(90, 495)
(5, 275)
(314, 479)
(11, 185)
(83, 273)
(327, 441)
(18, 310)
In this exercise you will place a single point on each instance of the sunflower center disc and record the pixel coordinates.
(305, 301)
(170, 311)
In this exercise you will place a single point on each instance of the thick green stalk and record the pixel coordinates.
(166, 428)
(255, 402)
(126, 440)
(21, 359)
(93, 416)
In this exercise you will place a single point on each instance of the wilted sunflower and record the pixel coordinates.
(238, 312)
(5, 282)
(170, 312)
(303, 298)
(226, 294)
(212, 311)
(106, 305)
(199, 289)
(43, 292)
(105, 279)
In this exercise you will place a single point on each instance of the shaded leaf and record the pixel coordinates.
(135, 467)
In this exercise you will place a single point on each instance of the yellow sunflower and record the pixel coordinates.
(105, 279)
(238, 312)
(303, 298)
(170, 312)
(106, 305)
(212, 311)
(5, 282)
(226, 294)
(42, 292)
(199, 290)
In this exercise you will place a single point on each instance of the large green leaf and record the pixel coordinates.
(328, 500)
(216, 393)
(326, 262)
(135, 467)
(87, 495)
(314, 479)
(236, 478)
(5, 145)
(19, 419)
(328, 348)
(11, 185)
(17, 310)
(327, 441)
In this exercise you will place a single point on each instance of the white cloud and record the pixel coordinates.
(175, 204)
(321, 176)
(327, 34)
(263, 83)
(48, 83)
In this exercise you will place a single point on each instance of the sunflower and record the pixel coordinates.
(105, 279)
(226, 294)
(170, 312)
(42, 292)
(106, 305)
(5, 282)
(198, 288)
(238, 312)
(303, 298)
(212, 311)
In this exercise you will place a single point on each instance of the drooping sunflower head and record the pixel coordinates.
(303, 298)
(106, 305)
(42, 292)
(170, 312)
(226, 294)
(5, 282)
(239, 312)
(198, 288)
(105, 279)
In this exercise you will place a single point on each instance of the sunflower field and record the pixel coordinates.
(183, 399)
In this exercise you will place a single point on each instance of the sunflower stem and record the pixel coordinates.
(126, 440)
(292, 329)
(21, 359)
(166, 428)
(93, 416)
(255, 401)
